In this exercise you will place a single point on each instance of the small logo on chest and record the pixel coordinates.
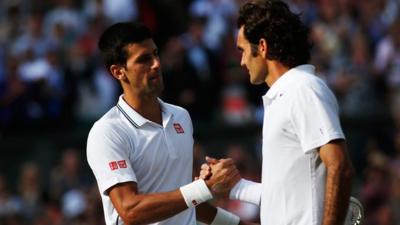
(178, 128)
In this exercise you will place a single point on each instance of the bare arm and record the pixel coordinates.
(338, 181)
(136, 208)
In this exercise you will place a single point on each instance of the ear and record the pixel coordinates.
(263, 47)
(118, 72)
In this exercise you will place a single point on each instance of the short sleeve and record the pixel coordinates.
(315, 116)
(108, 156)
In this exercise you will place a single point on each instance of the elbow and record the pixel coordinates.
(130, 216)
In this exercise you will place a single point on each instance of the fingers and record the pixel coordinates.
(204, 174)
(205, 166)
(211, 160)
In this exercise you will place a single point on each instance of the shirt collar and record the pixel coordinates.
(286, 79)
(135, 118)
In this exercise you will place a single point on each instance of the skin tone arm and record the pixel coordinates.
(135, 208)
(338, 181)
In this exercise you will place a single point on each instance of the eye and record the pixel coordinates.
(144, 58)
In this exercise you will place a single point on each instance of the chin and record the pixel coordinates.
(256, 82)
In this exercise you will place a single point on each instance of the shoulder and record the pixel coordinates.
(307, 82)
(109, 125)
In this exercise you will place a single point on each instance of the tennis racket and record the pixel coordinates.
(355, 213)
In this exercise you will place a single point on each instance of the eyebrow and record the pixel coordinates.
(240, 48)
(147, 54)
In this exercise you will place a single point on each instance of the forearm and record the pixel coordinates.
(337, 194)
(247, 191)
(205, 213)
(136, 208)
(150, 208)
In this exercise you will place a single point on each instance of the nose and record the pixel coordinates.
(242, 63)
(156, 63)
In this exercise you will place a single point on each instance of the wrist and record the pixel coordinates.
(195, 193)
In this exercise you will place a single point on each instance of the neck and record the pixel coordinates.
(146, 106)
(275, 71)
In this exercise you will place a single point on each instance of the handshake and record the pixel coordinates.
(220, 176)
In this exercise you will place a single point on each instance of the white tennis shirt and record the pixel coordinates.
(301, 115)
(124, 146)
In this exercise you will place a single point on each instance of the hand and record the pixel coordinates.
(224, 176)
(205, 170)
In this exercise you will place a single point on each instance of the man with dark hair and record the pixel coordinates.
(141, 150)
(306, 171)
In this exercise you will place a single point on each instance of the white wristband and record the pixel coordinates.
(224, 217)
(247, 191)
(195, 193)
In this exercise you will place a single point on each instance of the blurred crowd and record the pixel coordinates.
(51, 76)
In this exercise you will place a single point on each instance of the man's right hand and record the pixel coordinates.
(220, 176)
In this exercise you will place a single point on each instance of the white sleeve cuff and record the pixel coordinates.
(224, 217)
(247, 191)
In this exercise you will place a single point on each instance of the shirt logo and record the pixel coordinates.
(178, 128)
(122, 164)
(113, 165)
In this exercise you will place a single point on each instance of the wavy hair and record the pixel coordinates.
(287, 37)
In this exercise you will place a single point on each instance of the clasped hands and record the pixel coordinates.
(219, 175)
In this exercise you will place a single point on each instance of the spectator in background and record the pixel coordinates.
(67, 15)
(13, 96)
(30, 191)
(219, 16)
(68, 175)
(387, 58)
(32, 37)
(9, 204)
(204, 64)
(179, 76)
(11, 21)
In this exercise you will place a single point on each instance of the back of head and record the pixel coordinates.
(116, 38)
(287, 37)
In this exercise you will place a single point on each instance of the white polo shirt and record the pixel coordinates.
(301, 114)
(124, 146)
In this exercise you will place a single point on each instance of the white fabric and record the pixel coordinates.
(195, 193)
(224, 217)
(247, 191)
(301, 115)
(158, 158)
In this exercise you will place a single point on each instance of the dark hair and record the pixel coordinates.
(114, 39)
(286, 36)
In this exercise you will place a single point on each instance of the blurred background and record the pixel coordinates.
(53, 86)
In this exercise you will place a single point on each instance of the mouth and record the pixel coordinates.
(155, 78)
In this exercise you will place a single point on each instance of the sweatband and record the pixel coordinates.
(224, 217)
(195, 193)
(247, 191)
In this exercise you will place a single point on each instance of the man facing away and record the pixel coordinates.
(141, 150)
(306, 171)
